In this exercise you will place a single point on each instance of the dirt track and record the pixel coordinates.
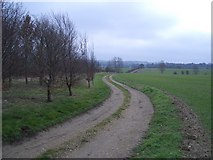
(55, 136)
(116, 140)
(196, 141)
(119, 138)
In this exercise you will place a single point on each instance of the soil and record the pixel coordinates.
(55, 136)
(196, 141)
(119, 138)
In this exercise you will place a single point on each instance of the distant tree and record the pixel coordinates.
(141, 66)
(92, 65)
(86, 59)
(175, 72)
(109, 67)
(182, 72)
(98, 67)
(187, 72)
(117, 64)
(120, 64)
(195, 69)
(162, 66)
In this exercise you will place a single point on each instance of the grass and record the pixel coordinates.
(26, 112)
(163, 139)
(125, 69)
(84, 137)
(194, 90)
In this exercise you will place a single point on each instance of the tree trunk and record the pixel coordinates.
(88, 83)
(10, 81)
(26, 70)
(40, 80)
(70, 90)
(49, 93)
(26, 80)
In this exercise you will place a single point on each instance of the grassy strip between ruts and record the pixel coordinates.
(163, 139)
(84, 137)
(25, 111)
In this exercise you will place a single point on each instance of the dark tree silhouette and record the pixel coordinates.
(27, 40)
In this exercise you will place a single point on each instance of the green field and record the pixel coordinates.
(25, 110)
(194, 90)
(124, 70)
(164, 139)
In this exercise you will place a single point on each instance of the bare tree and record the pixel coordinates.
(162, 66)
(89, 61)
(47, 47)
(50, 44)
(70, 50)
(117, 63)
(27, 38)
(40, 49)
(86, 59)
(12, 18)
(93, 64)
(109, 67)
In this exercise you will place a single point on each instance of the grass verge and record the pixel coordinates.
(25, 111)
(85, 137)
(163, 139)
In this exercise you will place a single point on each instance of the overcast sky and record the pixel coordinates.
(145, 30)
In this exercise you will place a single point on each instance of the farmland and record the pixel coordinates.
(25, 110)
(165, 127)
(194, 90)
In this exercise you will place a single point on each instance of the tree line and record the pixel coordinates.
(114, 65)
(48, 47)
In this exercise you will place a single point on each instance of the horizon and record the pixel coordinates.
(155, 62)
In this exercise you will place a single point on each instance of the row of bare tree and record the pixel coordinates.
(47, 47)
(114, 65)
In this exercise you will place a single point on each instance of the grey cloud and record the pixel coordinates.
(120, 19)
(116, 29)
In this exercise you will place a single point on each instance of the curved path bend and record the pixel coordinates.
(116, 140)
(57, 135)
(119, 138)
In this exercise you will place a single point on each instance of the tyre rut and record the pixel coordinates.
(118, 139)
(58, 134)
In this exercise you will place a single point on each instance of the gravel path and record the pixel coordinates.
(119, 138)
(55, 136)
